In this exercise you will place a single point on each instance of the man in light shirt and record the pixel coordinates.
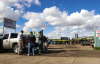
(20, 43)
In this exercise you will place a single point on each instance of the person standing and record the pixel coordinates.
(69, 41)
(40, 42)
(45, 39)
(31, 43)
(73, 40)
(37, 38)
(20, 43)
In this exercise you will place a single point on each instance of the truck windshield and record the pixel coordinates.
(13, 35)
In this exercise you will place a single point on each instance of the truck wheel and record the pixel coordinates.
(15, 49)
(83, 44)
(93, 46)
(5, 50)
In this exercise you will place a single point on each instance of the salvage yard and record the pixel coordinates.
(55, 52)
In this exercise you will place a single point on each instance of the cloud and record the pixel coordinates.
(12, 9)
(18, 26)
(57, 18)
(34, 29)
(8, 12)
(26, 29)
(36, 20)
(83, 20)
(37, 2)
(6, 30)
(21, 3)
(77, 20)
(58, 32)
(63, 31)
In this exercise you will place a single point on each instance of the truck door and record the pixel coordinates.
(6, 41)
(13, 39)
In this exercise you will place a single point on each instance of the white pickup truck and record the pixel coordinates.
(9, 41)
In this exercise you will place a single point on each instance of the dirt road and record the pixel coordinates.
(64, 51)
(57, 54)
(72, 51)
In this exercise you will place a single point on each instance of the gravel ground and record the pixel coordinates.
(64, 50)
(72, 51)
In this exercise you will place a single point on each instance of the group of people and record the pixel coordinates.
(31, 42)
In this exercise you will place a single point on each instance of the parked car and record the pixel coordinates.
(86, 41)
(91, 41)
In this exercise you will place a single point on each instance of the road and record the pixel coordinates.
(57, 54)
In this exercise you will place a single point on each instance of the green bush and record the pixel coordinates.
(96, 48)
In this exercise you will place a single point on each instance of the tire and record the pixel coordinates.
(83, 44)
(5, 50)
(15, 49)
(93, 46)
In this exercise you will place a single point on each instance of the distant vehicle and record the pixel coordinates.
(92, 42)
(57, 40)
(85, 41)
(64, 38)
(48, 41)
(53, 42)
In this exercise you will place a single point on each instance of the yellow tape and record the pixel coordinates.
(69, 40)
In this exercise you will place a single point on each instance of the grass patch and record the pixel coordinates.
(96, 48)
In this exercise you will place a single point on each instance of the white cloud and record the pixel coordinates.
(67, 32)
(26, 29)
(21, 3)
(58, 32)
(37, 2)
(8, 12)
(8, 8)
(57, 18)
(74, 32)
(12, 9)
(83, 20)
(18, 26)
(6, 30)
(34, 29)
(36, 20)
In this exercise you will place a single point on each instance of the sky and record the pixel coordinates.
(57, 18)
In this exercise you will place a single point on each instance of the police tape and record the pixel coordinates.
(70, 40)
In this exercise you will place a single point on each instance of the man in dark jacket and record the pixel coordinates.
(45, 40)
(40, 42)
(31, 43)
